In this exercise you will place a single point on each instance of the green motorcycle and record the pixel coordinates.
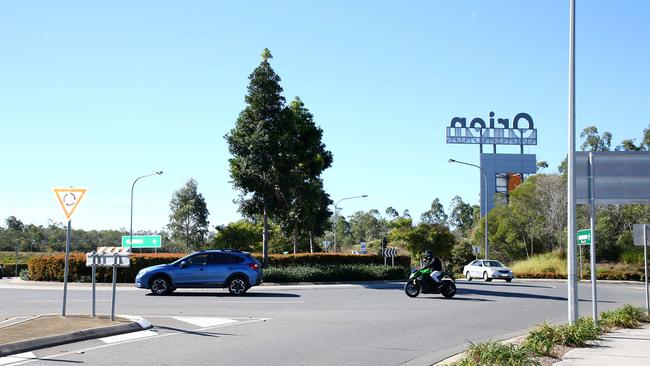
(420, 281)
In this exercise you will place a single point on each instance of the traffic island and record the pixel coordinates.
(52, 330)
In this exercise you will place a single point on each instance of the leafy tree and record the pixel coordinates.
(242, 235)
(188, 221)
(525, 207)
(435, 215)
(462, 215)
(264, 151)
(391, 213)
(417, 239)
(592, 141)
(461, 255)
(541, 165)
(628, 145)
(367, 226)
(14, 224)
(306, 158)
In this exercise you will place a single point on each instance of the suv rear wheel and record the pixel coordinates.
(237, 286)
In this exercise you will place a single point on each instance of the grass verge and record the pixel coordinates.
(543, 340)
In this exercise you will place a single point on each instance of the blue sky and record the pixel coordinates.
(94, 95)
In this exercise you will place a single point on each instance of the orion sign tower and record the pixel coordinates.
(503, 172)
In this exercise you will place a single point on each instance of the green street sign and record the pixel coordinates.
(584, 237)
(142, 241)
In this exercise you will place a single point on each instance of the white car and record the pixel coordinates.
(487, 270)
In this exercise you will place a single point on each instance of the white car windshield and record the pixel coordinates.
(493, 264)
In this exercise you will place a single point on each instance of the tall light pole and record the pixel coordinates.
(336, 211)
(484, 194)
(572, 280)
(133, 186)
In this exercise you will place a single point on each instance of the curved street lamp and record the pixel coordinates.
(336, 210)
(133, 186)
(484, 194)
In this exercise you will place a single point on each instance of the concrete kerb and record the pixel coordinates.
(71, 337)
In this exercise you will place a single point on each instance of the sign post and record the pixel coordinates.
(108, 257)
(592, 248)
(584, 238)
(69, 199)
(641, 238)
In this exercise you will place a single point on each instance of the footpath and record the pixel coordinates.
(629, 347)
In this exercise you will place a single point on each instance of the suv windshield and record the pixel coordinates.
(493, 264)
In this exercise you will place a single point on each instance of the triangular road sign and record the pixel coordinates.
(69, 199)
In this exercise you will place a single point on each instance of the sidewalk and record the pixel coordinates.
(629, 347)
(51, 330)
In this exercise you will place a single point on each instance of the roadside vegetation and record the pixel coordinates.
(282, 268)
(553, 265)
(547, 343)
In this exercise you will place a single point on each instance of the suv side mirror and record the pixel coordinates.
(182, 264)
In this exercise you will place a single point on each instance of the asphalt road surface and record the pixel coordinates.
(357, 324)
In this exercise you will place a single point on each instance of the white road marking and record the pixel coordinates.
(59, 300)
(17, 358)
(130, 341)
(204, 321)
(261, 302)
(14, 320)
(129, 336)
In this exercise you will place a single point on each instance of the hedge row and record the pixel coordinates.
(51, 267)
(309, 259)
(335, 272)
(9, 269)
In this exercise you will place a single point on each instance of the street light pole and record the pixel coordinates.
(133, 186)
(336, 210)
(572, 281)
(484, 196)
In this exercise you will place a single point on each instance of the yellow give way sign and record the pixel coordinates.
(69, 199)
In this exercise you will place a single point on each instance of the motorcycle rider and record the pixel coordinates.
(432, 262)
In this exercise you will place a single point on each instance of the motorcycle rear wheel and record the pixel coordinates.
(412, 289)
(448, 289)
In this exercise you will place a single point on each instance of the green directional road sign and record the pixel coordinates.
(142, 241)
(584, 237)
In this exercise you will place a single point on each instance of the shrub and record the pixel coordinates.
(632, 255)
(24, 274)
(9, 269)
(541, 266)
(307, 259)
(334, 272)
(542, 339)
(494, 353)
(578, 333)
(626, 317)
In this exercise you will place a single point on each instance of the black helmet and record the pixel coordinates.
(428, 255)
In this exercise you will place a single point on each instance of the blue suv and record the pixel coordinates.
(238, 271)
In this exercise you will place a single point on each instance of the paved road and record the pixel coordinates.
(372, 324)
